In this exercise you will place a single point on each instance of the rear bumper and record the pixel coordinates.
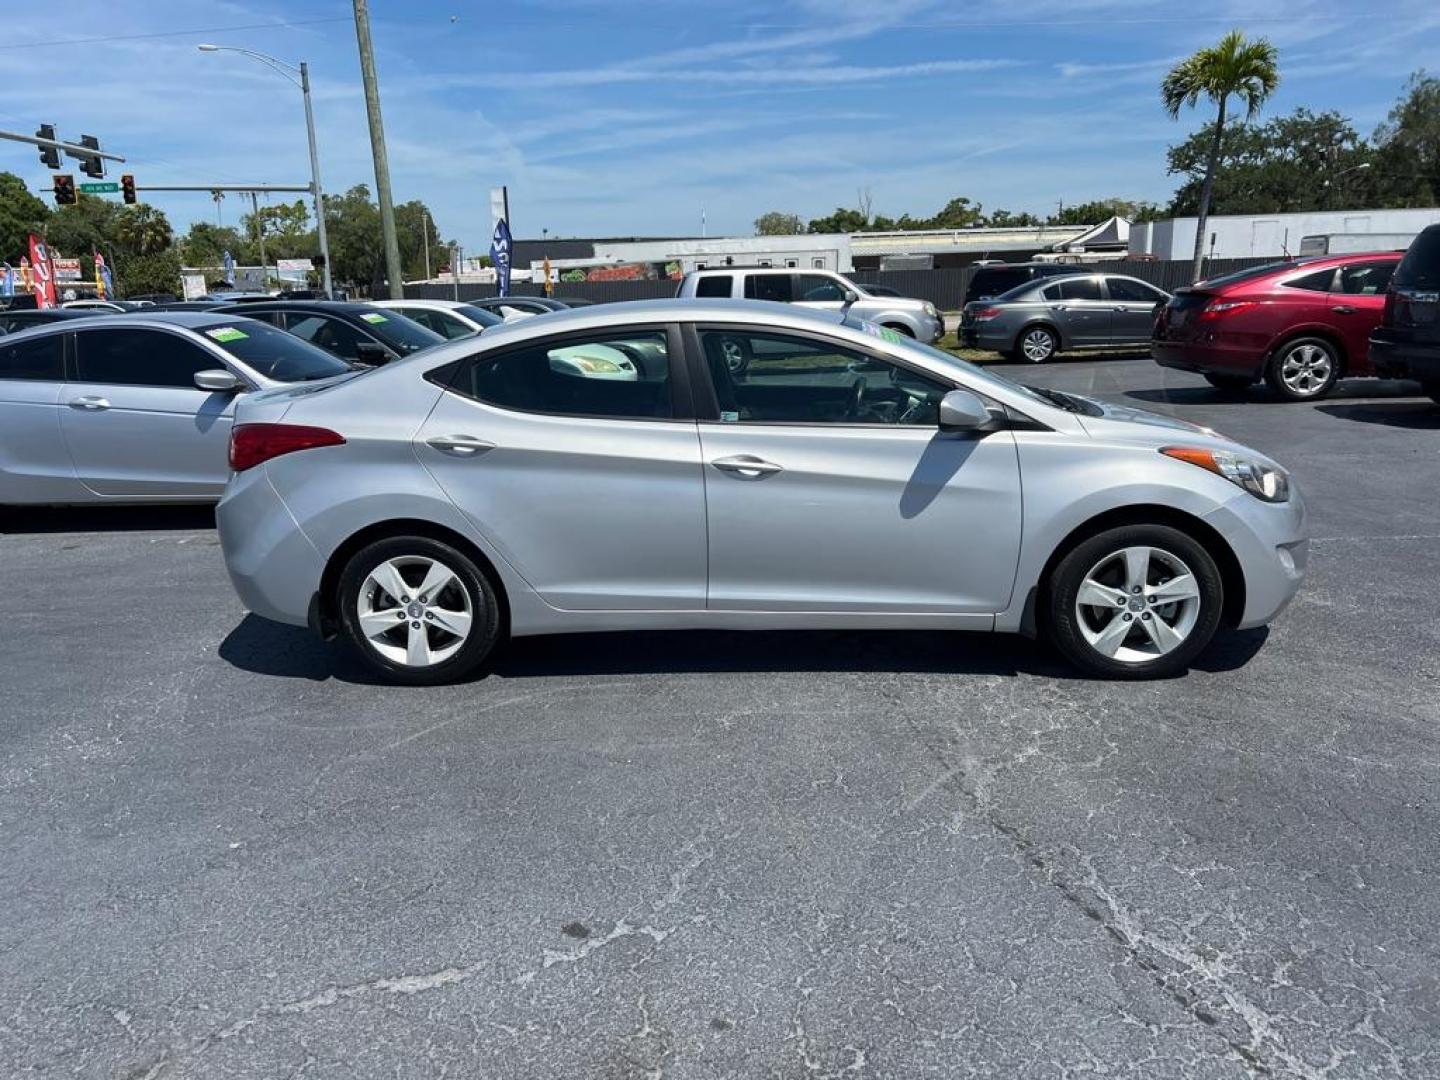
(1207, 357)
(976, 337)
(272, 563)
(1404, 360)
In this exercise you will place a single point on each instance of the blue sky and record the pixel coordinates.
(628, 117)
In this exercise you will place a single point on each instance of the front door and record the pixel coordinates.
(1357, 304)
(829, 486)
(34, 464)
(575, 458)
(1133, 305)
(1078, 309)
(134, 421)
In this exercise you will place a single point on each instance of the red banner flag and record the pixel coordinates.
(43, 271)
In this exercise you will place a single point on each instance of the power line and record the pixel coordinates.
(175, 33)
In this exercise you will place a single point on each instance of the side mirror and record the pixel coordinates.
(217, 381)
(960, 410)
(372, 353)
(851, 296)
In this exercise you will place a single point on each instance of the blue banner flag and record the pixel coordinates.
(7, 279)
(229, 269)
(500, 255)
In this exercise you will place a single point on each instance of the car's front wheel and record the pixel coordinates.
(1304, 369)
(1135, 602)
(419, 610)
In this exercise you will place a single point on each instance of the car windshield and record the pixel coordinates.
(479, 315)
(274, 353)
(403, 335)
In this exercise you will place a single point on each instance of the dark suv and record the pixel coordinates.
(1406, 345)
(990, 281)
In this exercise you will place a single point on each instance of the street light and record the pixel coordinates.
(303, 82)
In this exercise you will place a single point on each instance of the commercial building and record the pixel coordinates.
(1266, 236)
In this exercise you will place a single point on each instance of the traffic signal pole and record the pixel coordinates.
(75, 150)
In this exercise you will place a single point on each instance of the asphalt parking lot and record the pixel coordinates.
(226, 852)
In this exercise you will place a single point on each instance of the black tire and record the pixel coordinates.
(486, 626)
(1038, 352)
(1062, 619)
(1298, 388)
(1433, 390)
(1230, 384)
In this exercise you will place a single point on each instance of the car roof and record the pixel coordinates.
(188, 320)
(46, 314)
(333, 307)
(420, 301)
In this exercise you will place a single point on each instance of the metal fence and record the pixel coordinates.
(943, 288)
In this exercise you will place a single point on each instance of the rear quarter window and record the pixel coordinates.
(38, 358)
(718, 285)
(1420, 268)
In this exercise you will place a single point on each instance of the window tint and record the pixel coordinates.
(1250, 273)
(988, 282)
(768, 287)
(1366, 279)
(1076, 289)
(1420, 268)
(404, 336)
(140, 358)
(35, 358)
(480, 315)
(442, 323)
(719, 285)
(762, 377)
(1319, 281)
(330, 334)
(616, 375)
(274, 353)
(814, 287)
(1128, 291)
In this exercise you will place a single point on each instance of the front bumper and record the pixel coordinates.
(1271, 541)
(1403, 359)
(272, 563)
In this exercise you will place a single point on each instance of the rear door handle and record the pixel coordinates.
(90, 402)
(1343, 309)
(459, 445)
(747, 465)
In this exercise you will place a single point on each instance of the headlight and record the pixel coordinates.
(1268, 482)
(930, 309)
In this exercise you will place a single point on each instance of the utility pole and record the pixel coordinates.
(425, 222)
(377, 148)
(260, 234)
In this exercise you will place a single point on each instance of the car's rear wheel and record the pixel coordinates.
(1231, 384)
(419, 610)
(1304, 369)
(1135, 602)
(1036, 345)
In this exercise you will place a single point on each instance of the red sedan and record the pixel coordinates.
(1300, 325)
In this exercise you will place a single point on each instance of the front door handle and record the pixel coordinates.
(459, 445)
(747, 465)
(1343, 309)
(89, 402)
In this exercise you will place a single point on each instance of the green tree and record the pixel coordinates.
(778, 223)
(1098, 210)
(286, 231)
(205, 244)
(1406, 171)
(143, 230)
(352, 222)
(958, 213)
(1234, 67)
(843, 220)
(413, 223)
(1004, 219)
(84, 227)
(21, 213)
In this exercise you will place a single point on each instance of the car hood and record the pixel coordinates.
(1121, 423)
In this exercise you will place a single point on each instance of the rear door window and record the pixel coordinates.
(777, 287)
(1086, 288)
(39, 358)
(717, 286)
(333, 336)
(1135, 292)
(140, 358)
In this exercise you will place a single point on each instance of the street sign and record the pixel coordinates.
(99, 189)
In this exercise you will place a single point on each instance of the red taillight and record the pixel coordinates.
(1215, 308)
(254, 444)
(981, 314)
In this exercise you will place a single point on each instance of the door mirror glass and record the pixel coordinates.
(961, 410)
(217, 381)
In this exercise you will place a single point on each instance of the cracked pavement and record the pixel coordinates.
(226, 852)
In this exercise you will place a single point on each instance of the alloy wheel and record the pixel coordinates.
(1137, 604)
(1037, 345)
(734, 354)
(414, 610)
(1306, 369)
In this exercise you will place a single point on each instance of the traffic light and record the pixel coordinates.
(92, 166)
(64, 189)
(49, 155)
(127, 188)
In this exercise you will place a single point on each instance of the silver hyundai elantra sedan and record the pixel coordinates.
(135, 408)
(609, 469)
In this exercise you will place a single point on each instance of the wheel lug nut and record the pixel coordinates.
(404, 599)
(1121, 601)
(415, 626)
(423, 600)
(1126, 616)
(428, 615)
(400, 614)
(1145, 616)
(1135, 589)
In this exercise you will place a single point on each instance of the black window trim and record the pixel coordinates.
(707, 402)
(1334, 272)
(682, 405)
(72, 357)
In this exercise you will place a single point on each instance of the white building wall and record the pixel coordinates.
(1266, 236)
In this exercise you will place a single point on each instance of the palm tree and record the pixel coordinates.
(1234, 66)
(144, 229)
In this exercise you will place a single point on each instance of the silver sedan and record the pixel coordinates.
(135, 408)
(1034, 321)
(606, 469)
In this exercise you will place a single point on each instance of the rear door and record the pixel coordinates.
(1357, 304)
(134, 421)
(1132, 309)
(34, 464)
(575, 456)
(1078, 308)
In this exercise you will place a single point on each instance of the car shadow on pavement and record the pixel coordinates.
(1420, 415)
(91, 519)
(290, 652)
(1260, 394)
